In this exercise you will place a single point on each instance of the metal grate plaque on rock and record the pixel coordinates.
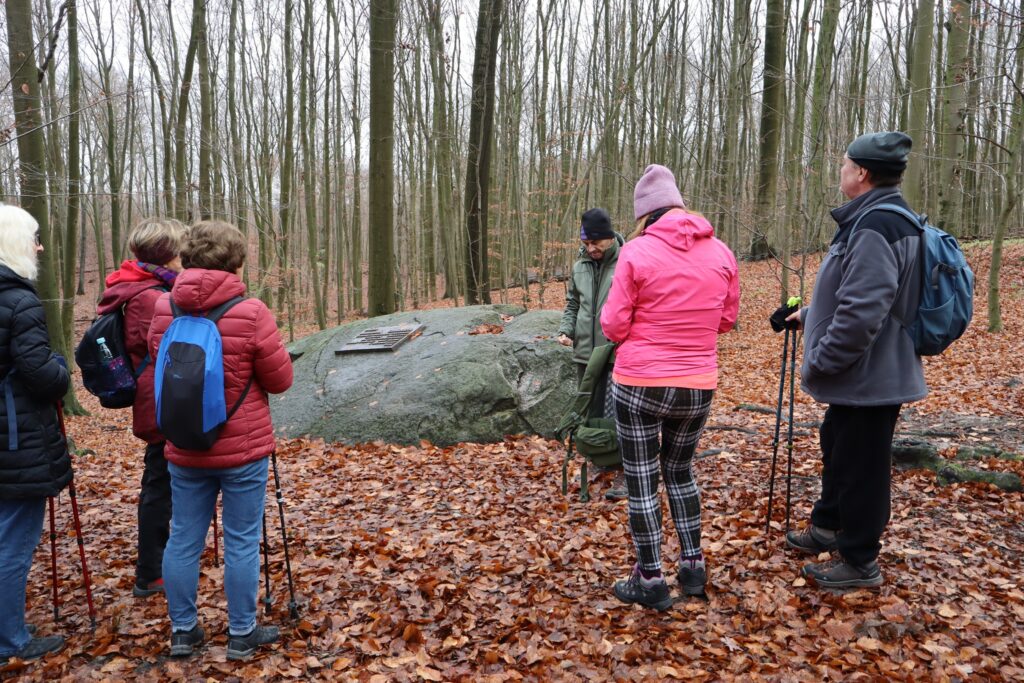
(380, 339)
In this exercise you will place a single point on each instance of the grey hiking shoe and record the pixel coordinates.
(839, 573)
(37, 647)
(692, 577)
(146, 589)
(618, 490)
(632, 591)
(243, 647)
(812, 540)
(616, 494)
(184, 643)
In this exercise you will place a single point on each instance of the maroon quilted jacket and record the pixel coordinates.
(251, 346)
(134, 288)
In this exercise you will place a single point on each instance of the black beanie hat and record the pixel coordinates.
(883, 152)
(596, 224)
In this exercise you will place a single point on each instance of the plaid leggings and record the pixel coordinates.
(677, 416)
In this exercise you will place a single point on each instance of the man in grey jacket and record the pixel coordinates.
(860, 361)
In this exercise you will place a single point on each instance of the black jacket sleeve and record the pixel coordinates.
(38, 370)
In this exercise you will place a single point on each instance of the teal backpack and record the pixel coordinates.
(585, 427)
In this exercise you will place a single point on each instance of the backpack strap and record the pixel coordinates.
(146, 360)
(565, 465)
(12, 417)
(238, 403)
(915, 220)
(213, 315)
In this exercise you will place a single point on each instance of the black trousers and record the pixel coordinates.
(856, 454)
(154, 515)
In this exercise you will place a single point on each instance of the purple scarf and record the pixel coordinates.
(164, 274)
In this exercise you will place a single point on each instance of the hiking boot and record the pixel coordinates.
(633, 591)
(842, 574)
(812, 541)
(618, 490)
(37, 647)
(616, 493)
(242, 647)
(183, 643)
(692, 577)
(144, 590)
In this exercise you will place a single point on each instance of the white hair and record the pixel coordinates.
(18, 241)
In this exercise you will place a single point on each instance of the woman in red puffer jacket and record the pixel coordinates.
(236, 465)
(135, 288)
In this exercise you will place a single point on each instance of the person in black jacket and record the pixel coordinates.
(34, 461)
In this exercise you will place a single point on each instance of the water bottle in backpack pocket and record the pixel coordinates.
(118, 373)
(189, 380)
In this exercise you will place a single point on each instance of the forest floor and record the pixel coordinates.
(466, 563)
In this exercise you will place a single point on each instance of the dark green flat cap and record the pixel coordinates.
(881, 151)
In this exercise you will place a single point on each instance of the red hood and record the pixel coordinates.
(198, 289)
(680, 229)
(123, 284)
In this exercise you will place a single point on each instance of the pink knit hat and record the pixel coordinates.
(655, 190)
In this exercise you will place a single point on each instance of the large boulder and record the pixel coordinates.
(475, 373)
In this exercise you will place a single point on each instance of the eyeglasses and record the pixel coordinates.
(38, 243)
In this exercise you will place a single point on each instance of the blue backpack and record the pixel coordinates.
(947, 286)
(189, 379)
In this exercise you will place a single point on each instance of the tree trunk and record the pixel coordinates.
(206, 133)
(920, 89)
(74, 191)
(239, 200)
(284, 293)
(32, 156)
(478, 165)
(383, 22)
(181, 188)
(954, 113)
(771, 125)
(309, 182)
(1014, 143)
(823, 79)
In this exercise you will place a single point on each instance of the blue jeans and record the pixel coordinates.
(21, 523)
(193, 497)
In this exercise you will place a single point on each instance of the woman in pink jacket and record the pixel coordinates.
(676, 288)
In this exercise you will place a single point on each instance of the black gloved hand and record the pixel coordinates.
(778, 318)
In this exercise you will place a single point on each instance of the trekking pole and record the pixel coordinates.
(775, 438)
(78, 528)
(789, 435)
(266, 567)
(293, 608)
(53, 563)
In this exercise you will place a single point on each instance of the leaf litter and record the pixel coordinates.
(465, 563)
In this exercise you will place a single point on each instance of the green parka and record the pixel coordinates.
(588, 290)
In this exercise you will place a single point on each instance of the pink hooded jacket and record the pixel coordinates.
(676, 288)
